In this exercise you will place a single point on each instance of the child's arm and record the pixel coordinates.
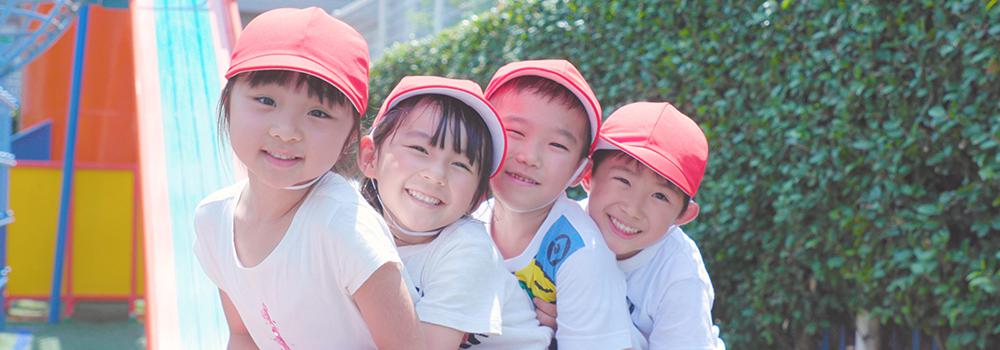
(591, 304)
(239, 337)
(546, 313)
(386, 306)
(441, 337)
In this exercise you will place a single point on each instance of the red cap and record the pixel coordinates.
(561, 72)
(662, 138)
(466, 91)
(308, 41)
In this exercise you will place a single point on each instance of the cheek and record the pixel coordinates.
(562, 162)
(335, 136)
(663, 219)
(383, 166)
(242, 135)
(465, 186)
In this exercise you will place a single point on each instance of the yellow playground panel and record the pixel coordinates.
(102, 249)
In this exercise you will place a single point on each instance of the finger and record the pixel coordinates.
(544, 306)
(546, 319)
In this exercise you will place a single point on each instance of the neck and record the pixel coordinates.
(267, 203)
(513, 224)
(625, 256)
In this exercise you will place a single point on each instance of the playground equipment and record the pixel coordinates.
(26, 30)
(142, 153)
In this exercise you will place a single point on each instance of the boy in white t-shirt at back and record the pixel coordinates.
(648, 165)
(550, 244)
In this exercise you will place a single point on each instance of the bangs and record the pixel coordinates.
(459, 119)
(315, 87)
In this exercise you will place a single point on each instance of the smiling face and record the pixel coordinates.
(426, 179)
(544, 142)
(284, 134)
(633, 205)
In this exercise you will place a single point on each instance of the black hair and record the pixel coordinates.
(315, 87)
(602, 154)
(457, 118)
(555, 92)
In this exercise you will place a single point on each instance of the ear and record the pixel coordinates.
(588, 176)
(367, 156)
(689, 214)
(584, 173)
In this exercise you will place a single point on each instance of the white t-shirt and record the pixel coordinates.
(300, 295)
(463, 285)
(568, 263)
(670, 295)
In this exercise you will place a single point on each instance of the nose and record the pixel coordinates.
(435, 174)
(527, 155)
(285, 128)
(629, 204)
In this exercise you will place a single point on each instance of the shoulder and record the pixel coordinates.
(221, 197)
(335, 190)
(468, 235)
(572, 238)
(678, 259)
(573, 221)
(213, 206)
(337, 202)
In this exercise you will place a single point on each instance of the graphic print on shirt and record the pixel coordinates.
(274, 328)
(538, 277)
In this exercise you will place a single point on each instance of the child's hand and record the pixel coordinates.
(546, 313)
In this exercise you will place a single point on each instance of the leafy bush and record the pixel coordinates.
(855, 157)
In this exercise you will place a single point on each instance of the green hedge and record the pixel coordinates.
(855, 162)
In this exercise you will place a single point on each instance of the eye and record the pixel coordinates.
(623, 180)
(463, 166)
(264, 100)
(661, 196)
(559, 146)
(515, 132)
(417, 148)
(319, 114)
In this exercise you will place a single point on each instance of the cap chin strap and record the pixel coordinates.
(579, 169)
(305, 185)
(391, 219)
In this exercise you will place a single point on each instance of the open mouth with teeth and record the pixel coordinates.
(424, 198)
(521, 178)
(281, 156)
(622, 229)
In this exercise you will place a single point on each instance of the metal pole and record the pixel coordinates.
(6, 111)
(67, 173)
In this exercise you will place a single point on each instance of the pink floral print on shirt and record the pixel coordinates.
(274, 328)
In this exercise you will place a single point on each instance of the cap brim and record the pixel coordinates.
(296, 64)
(488, 114)
(652, 160)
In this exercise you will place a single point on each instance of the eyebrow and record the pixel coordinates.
(623, 167)
(665, 183)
